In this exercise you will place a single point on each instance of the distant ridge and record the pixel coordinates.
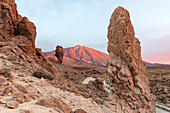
(156, 64)
(82, 55)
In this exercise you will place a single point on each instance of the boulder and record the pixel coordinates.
(21, 98)
(129, 81)
(80, 111)
(12, 104)
(21, 88)
(99, 83)
(53, 102)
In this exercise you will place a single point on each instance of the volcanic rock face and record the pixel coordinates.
(59, 53)
(17, 36)
(13, 26)
(8, 16)
(129, 81)
(27, 29)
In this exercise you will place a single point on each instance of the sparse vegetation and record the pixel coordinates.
(159, 83)
(98, 101)
(41, 74)
(20, 75)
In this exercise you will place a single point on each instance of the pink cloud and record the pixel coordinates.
(162, 57)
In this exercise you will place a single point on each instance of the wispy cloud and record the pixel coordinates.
(85, 22)
(156, 43)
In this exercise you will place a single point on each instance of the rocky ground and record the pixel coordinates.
(73, 82)
(21, 92)
(29, 94)
(158, 78)
(160, 83)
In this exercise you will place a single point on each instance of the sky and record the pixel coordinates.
(84, 22)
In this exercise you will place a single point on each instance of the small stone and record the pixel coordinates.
(2, 80)
(8, 90)
(9, 94)
(2, 70)
(12, 104)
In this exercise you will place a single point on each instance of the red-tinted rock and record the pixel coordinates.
(18, 35)
(8, 90)
(52, 102)
(32, 96)
(2, 80)
(21, 88)
(25, 44)
(59, 53)
(42, 60)
(7, 16)
(21, 97)
(128, 76)
(12, 24)
(79, 111)
(64, 107)
(27, 29)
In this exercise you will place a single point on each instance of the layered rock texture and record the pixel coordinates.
(59, 53)
(17, 38)
(129, 81)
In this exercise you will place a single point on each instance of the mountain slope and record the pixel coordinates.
(84, 56)
(81, 54)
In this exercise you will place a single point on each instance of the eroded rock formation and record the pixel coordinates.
(129, 81)
(17, 37)
(59, 53)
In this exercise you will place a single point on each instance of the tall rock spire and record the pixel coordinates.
(129, 80)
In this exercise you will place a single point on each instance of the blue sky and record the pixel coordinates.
(84, 22)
